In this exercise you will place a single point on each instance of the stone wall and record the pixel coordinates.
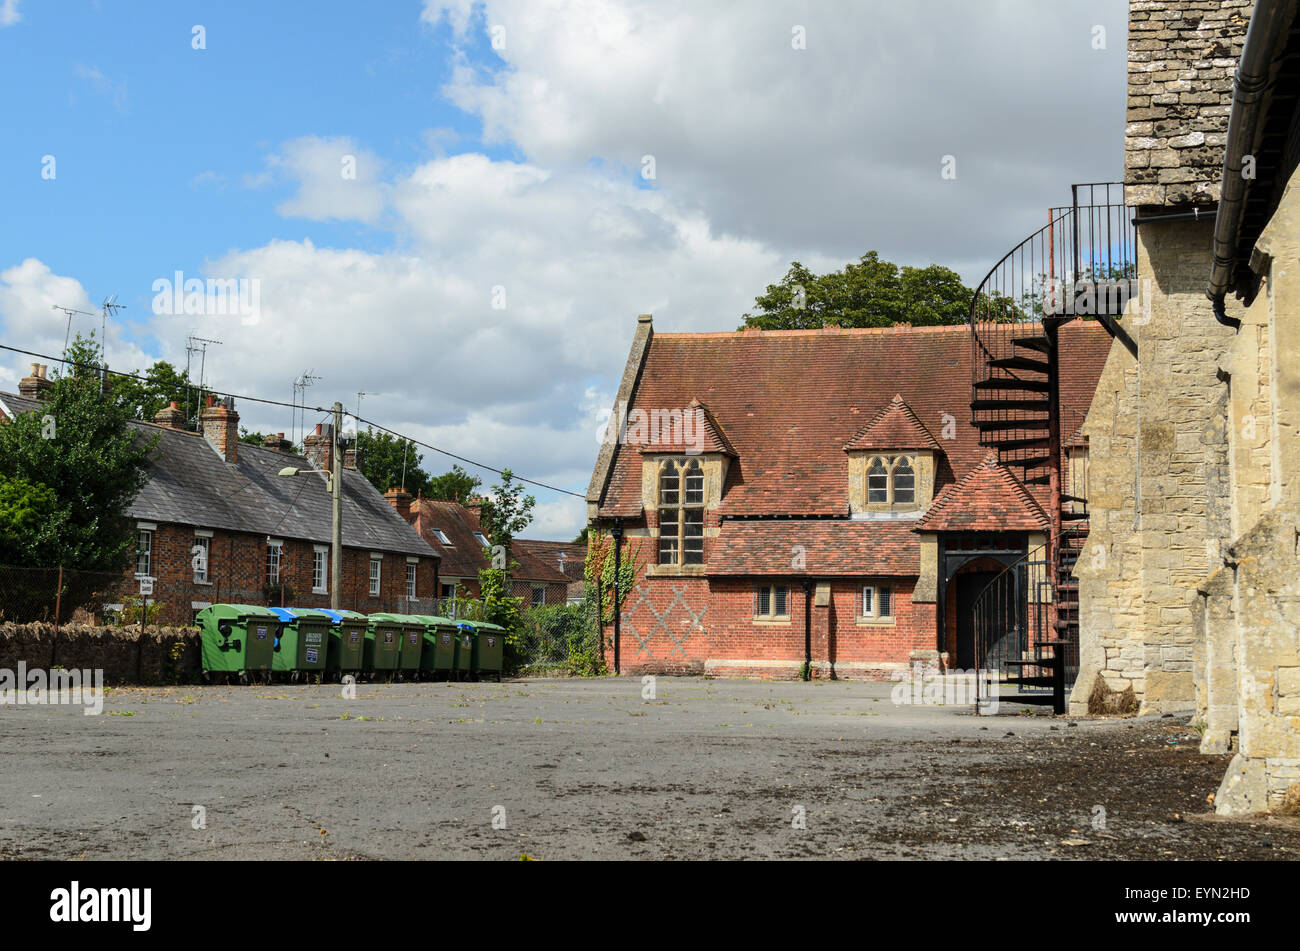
(156, 655)
(1181, 58)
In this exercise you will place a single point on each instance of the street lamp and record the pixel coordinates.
(334, 485)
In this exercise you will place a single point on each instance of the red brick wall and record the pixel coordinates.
(700, 625)
(237, 572)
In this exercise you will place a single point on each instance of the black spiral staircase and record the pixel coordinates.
(1026, 621)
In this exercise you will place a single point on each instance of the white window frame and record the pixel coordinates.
(204, 539)
(873, 612)
(376, 574)
(439, 534)
(320, 554)
(411, 578)
(145, 547)
(770, 590)
(538, 596)
(482, 540)
(274, 545)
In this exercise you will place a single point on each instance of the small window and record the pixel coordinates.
(410, 582)
(144, 554)
(539, 595)
(771, 601)
(199, 558)
(449, 591)
(877, 482)
(319, 569)
(481, 539)
(273, 563)
(877, 602)
(375, 565)
(439, 534)
(904, 482)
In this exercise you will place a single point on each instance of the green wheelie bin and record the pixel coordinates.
(347, 647)
(410, 641)
(383, 647)
(488, 652)
(304, 643)
(463, 662)
(237, 640)
(440, 637)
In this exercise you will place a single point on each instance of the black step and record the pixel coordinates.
(1073, 516)
(1011, 383)
(1009, 445)
(1072, 498)
(1074, 533)
(1019, 363)
(1041, 344)
(1041, 662)
(1038, 480)
(1041, 406)
(993, 425)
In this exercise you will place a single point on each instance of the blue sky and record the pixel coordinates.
(480, 275)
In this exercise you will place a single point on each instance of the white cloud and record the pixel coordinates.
(336, 179)
(9, 14)
(112, 90)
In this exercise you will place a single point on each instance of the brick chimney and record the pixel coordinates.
(170, 416)
(220, 425)
(318, 447)
(475, 506)
(34, 387)
(400, 500)
(349, 458)
(278, 443)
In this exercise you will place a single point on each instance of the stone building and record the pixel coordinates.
(1188, 594)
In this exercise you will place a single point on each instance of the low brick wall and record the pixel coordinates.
(156, 655)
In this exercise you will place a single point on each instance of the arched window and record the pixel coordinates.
(877, 482)
(904, 482)
(681, 513)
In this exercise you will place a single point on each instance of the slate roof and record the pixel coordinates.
(830, 548)
(895, 427)
(989, 499)
(792, 399)
(189, 484)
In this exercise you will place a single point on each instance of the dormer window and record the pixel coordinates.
(681, 512)
(891, 481)
(904, 481)
(877, 482)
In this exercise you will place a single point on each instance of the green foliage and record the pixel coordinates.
(161, 384)
(29, 516)
(80, 446)
(390, 462)
(599, 573)
(582, 537)
(454, 486)
(134, 608)
(506, 513)
(871, 293)
(497, 606)
(560, 636)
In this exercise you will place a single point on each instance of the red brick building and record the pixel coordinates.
(217, 524)
(543, 572)
(812, 495)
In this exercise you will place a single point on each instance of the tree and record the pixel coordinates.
(582, 536)
(871, 293)
(389, 461)
(29, 517)
(157, 387)
(506, 513)
(454, 486)
(80, 446)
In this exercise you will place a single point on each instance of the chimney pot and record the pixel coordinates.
(220, 424)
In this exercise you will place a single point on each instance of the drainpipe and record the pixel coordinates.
(807, 629)
(618, 545)
(1268, 22)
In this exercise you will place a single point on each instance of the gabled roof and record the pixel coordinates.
(709, 438)
(463, 555)
(189, 484)
(895, 427)
(988, 499)
(792, 399)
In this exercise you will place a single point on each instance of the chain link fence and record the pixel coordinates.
(72, 596)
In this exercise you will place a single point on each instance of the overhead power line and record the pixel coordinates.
(318, 409)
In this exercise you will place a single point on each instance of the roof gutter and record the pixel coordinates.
(1269, 20)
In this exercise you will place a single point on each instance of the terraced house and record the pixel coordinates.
(217, 523)
(818, 497)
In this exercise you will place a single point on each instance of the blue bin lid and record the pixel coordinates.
(338, 616)
(284, 614)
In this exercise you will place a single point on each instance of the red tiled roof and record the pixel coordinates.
(830, 547)
(792, 399)
(988, 499)
(710, 438)
(463, 554)
(895, 427)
